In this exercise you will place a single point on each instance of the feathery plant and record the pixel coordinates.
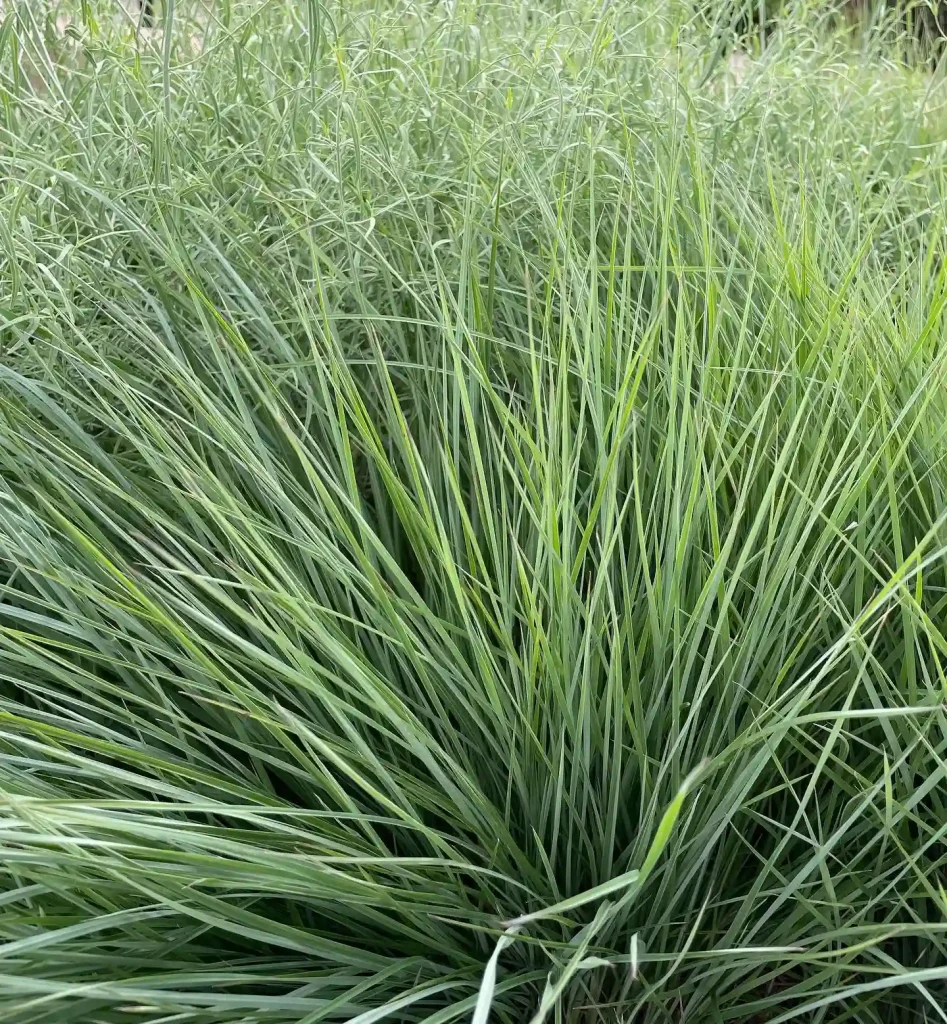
(472, 532)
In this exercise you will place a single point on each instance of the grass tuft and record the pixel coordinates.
(472, 532)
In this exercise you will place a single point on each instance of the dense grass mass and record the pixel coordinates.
(472, 518)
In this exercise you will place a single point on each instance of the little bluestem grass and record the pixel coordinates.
(472, 519)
